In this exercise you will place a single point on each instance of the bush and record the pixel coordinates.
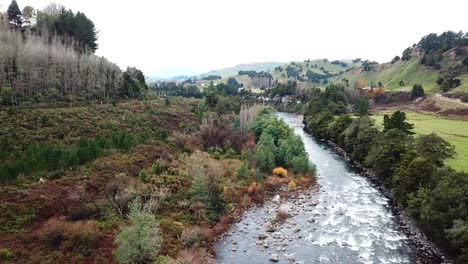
(301, 164)
(264, 153)
(206, 191)
(242, 173)
(292, 186)
(214, 135)
(281, 216)
(140, 241)
(143, 175)
(258, 176)
(193, 256)
(158, 167)
(417, 91)
(281, 172)
(5, 254)
(161, 135)
(192, 236)
(288, 149)
(80, 236)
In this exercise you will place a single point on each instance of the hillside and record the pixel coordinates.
(401, 74)
(307, 74)
(232, 71)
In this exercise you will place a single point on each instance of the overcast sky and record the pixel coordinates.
(172, 37)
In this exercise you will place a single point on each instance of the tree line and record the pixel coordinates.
(38, 66)
(412, 167)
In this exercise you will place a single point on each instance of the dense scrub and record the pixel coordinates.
(412, 167)
(151, 181)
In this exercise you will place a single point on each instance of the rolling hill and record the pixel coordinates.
(232, 71)
(403, 74)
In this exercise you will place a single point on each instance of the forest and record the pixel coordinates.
(52, 59)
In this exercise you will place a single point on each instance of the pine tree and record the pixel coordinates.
(398, 121)
(14, 13)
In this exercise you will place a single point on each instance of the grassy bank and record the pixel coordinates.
(454, 131)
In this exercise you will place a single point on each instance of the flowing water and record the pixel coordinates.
(345, 220)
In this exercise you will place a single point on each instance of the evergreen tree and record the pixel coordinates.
(398, 121)
(14, 13)
(417, 91)
(362, 105)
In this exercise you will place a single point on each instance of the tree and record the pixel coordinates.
(29, 16)
(406, 54)
(412, 174)
(14, 13)
(139, 242)
(233, 83)
(362, 105)
(434, 148)
(337, 127)
(417, 91)
(288, 149)
(358, 137)
(397, 121)
(264, 153)
(134, 84)
(384, 157)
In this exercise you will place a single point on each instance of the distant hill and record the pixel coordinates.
(232, 71)
(314, 72)
(424, 64)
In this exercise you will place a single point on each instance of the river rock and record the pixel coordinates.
(274, 258)
(290, 258)
(262, 236)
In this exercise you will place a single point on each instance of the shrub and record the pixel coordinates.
(81, 236)
(78, 236)
(5, 254)
(281, 216)
(259, 176)
(302, 164)
(206, 186)
(288, 149)
(281, 172)
(214, 135)
(252, 188)
(264, 153)
(417, 91)
(193, 256)
(292, 186)
(242, 172)
(140, 241)
(167, 102)
(143, 175)
(161, 135)
(158, 167)
(191, 236)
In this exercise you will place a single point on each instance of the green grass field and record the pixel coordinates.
(410, 72)
(454, 131)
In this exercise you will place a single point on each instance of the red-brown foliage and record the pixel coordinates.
(221, 227)
(193, 256)
(281, 216)
(273, 183)
(214, 135)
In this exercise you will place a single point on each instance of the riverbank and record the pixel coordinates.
(347, 221)
(426, 250)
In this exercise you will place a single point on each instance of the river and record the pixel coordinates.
(346, 220)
